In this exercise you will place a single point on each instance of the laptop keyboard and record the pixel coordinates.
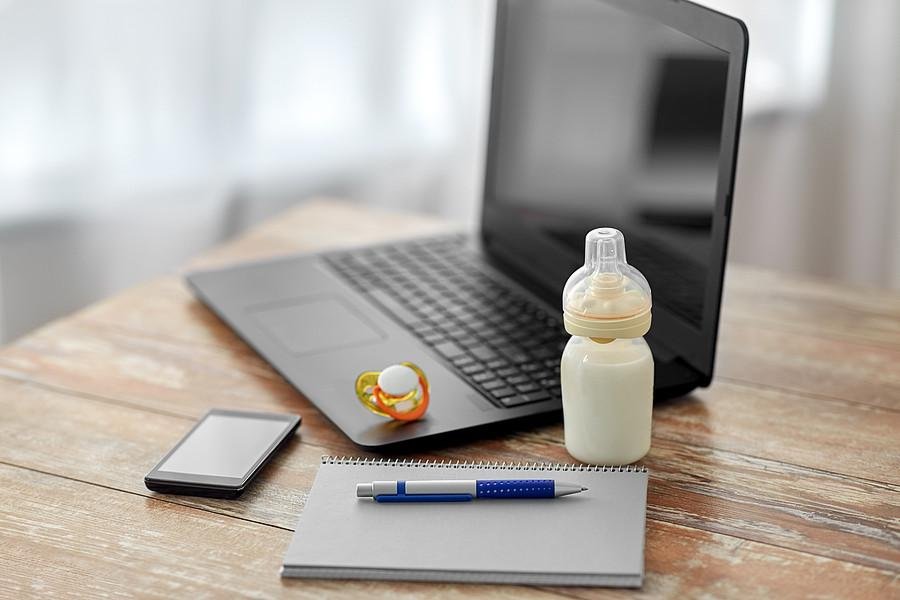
(495, 338)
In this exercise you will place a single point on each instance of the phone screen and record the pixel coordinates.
(224, 445)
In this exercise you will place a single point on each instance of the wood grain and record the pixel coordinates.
(781, 479)
(135, 544)
(808, 363)
(797, 304)
(820, 513)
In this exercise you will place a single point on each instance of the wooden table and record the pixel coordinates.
(781, 479)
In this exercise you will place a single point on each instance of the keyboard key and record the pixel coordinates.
(503, 341)
(434, 338)
(478, 324)
(503, 392)
(458, 334)
(516, 356)
(470, 342)
(448, 350)
(472, 368)
(496, 364)
(513, 354)
(542, 352)
(484, 376)
(482, 353)
(507, 371)
(492, 384)
(517, 379)
(395, 308)
(520, 399)
(463, 360)
(527, 387)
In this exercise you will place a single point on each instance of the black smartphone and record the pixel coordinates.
(222, 453)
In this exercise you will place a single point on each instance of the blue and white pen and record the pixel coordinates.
(463, 490)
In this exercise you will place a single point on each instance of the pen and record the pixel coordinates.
(463, 490)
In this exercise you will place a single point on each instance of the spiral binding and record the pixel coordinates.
(460, 464)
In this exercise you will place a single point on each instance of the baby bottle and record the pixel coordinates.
(607, 368)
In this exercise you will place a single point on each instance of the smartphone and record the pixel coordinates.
(222, 453)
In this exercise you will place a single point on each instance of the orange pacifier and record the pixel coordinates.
(399, 392)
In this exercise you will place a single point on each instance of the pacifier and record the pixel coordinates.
(399, 392)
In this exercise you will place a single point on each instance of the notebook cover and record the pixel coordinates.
(591, 538)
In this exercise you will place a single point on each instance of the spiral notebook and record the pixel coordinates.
(591, 538)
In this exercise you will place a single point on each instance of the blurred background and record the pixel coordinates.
(135, 134)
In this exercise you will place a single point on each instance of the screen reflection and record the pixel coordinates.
(607, 119)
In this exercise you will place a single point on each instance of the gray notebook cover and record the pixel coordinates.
(592, 538)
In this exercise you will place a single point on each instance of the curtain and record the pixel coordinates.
(818, 190)
(134, 134)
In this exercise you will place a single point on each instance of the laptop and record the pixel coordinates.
(602, 113)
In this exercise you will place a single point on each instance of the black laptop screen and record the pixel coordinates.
(605, 118)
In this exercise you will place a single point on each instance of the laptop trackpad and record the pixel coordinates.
(315, 324)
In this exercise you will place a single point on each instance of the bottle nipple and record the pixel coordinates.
(606, 298)
(606, 277)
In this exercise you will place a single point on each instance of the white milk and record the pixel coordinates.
(607, 393)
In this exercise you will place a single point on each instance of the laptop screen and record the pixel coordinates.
(601, 117)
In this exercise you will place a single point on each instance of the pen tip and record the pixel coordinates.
(583, 489)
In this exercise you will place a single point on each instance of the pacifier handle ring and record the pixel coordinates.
(411, 415)
(364, 384)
